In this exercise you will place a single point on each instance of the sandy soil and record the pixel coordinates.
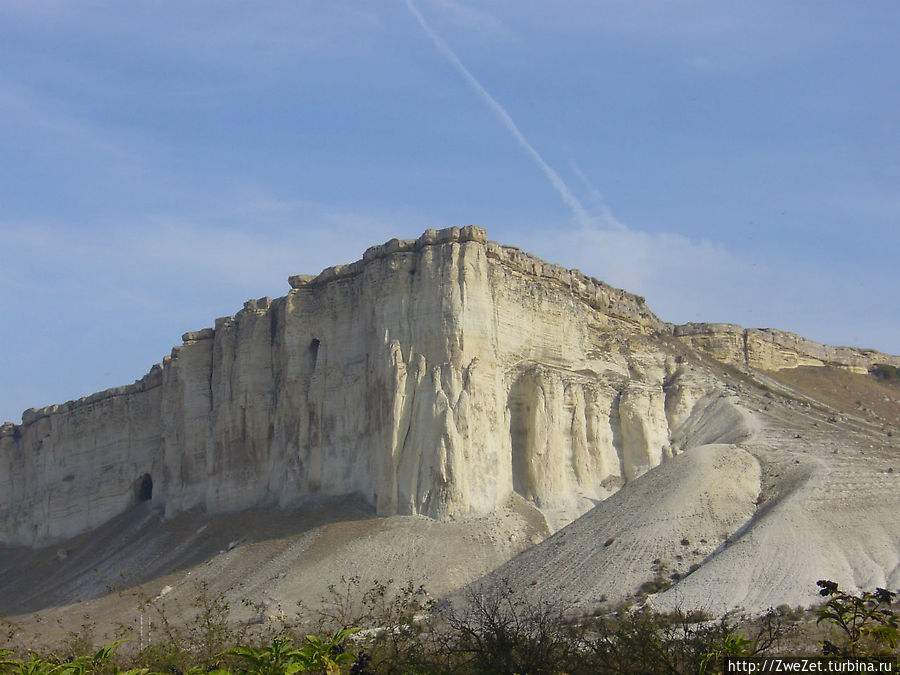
(262, 563)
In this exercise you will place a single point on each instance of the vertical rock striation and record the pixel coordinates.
(434, 376)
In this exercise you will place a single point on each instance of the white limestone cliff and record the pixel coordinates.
(434, 376)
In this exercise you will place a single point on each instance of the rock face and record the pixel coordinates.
(435, 376)
(771, 349)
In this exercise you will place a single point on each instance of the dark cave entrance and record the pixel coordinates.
(144, 488)
(313, 354)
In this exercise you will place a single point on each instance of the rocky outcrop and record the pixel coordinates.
(771, 349)
(435, 376)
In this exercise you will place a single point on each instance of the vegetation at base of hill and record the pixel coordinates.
(885, 371)
(381, 631)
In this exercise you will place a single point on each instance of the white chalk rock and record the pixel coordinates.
(435, 376)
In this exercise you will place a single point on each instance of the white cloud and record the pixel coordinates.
(681, 277)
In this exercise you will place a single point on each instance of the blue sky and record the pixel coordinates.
(162, 162)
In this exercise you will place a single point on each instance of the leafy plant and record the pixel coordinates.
(866, 621)
(95, 664)
(729, 643)
(327, 654)
(279, 658)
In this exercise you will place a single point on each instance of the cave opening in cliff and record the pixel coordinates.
(145, 488)
(313, 354)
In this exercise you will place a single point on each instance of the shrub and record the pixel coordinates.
(494, 631)
(884, 371)
(490, 630)
(866, 622)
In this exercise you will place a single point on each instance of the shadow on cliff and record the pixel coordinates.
(139, 546)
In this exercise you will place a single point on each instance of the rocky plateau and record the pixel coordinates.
(450, 410)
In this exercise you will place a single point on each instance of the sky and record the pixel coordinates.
(164, 161)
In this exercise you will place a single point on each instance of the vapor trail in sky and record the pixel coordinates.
(569, 199)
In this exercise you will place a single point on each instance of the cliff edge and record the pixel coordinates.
(434, 376)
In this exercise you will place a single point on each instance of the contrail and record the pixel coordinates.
(569, 199)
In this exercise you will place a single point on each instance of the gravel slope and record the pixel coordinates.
(812, 493)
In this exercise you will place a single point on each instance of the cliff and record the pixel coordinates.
(771, 349)
(434, 376)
